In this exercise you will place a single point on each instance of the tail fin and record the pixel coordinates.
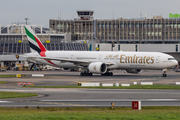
(34, 42)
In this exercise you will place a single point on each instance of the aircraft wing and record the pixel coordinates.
(79, 62)
(65, 60)
(86, 62)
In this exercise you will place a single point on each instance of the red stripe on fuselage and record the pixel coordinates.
(42, 54)
(51, 62)
(43, 50)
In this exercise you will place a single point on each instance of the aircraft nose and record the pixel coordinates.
(175, 62)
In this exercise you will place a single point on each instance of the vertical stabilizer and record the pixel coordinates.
(34, 42)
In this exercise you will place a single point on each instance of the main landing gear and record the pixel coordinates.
(107, 74)
(86, 74)
(164, 73)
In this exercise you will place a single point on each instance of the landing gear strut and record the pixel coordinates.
(107, 74)
(164, 73)
(86, 74)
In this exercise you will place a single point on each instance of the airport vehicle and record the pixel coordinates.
(98, 62)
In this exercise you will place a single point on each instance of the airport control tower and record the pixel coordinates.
(83, 27)
(85, 14)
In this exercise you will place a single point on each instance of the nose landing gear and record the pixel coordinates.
(164, 73)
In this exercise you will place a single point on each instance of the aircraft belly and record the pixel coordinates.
(139, 66)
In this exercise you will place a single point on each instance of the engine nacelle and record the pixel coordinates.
(97, 67)
(136, 71)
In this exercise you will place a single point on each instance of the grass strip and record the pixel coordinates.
(7, 76)
(15, 95)
(114, 87)
(2, 82)
(147, 113)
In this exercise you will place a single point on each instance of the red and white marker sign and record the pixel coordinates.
(29, 83)
(24, 83)
(136, 105)
(19, 83)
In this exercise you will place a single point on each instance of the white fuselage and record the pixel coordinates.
(120, 60)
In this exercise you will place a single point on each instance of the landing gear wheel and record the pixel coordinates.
(81, 74)
(107, 74)
(164, 75)
(85, 74)
(111, 74)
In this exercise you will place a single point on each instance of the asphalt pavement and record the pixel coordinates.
(66, 97)
(58, 97)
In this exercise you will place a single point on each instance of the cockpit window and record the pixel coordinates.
(171, 59)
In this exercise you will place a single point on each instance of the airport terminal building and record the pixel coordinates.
(121, 30)
(156, 34)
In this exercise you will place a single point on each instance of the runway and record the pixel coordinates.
(50, 97)
(66, 97)
(52, 78)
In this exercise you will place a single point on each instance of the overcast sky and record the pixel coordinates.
(40, 11)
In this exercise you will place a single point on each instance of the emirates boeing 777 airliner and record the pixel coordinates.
(98, 62)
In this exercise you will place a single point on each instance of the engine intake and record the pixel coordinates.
(97, 67)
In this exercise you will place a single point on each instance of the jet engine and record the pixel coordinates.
(136, 71)
(97, 67)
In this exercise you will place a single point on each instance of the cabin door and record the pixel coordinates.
(100, 57)
(72, 57)
(157, 59)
